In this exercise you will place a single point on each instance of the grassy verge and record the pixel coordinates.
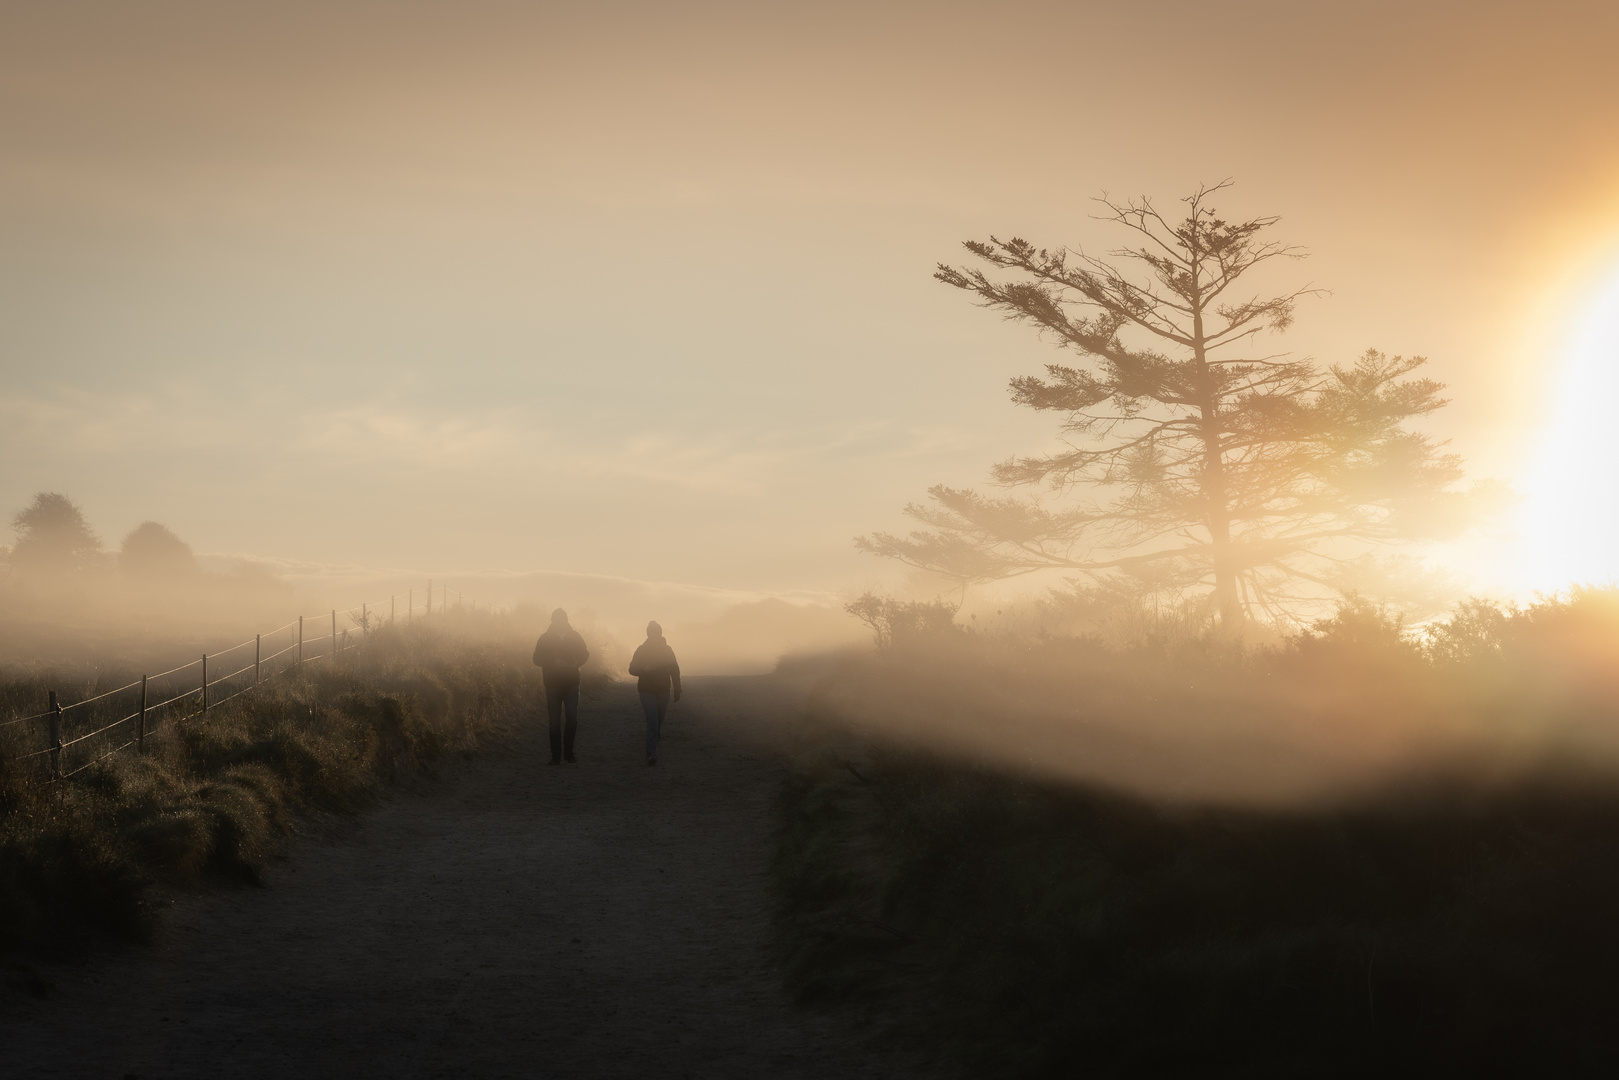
(1037, 929)
(970, 876)
(210, 797)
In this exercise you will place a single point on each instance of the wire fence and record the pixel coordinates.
(78, 735)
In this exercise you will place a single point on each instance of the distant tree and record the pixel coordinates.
(1203, 462)
(152, 551)
(52, 536)
(1473, 634)
(891, 620)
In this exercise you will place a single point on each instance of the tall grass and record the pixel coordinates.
(1367, 850)
(211, 797)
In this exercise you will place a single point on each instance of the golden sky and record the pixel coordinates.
(644, 289)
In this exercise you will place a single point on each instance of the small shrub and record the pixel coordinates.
(900, 621)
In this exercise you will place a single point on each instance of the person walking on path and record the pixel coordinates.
(560, 653)
(658, 680)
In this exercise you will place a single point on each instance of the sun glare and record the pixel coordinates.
(1571, 513)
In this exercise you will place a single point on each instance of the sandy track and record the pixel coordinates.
(607, 920)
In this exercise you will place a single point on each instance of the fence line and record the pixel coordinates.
(368, 618)
(172, 670)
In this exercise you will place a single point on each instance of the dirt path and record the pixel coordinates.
(607, 920)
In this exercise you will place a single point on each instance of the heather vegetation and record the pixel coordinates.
(1150, 851)
(212, 797)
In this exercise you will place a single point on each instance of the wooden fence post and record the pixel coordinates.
(365, 619)
(56, 737)
(258, 651)
(205, 684)
(300, 639)
(334, 635)
(345, 639)
(140, 727)
(390, 610)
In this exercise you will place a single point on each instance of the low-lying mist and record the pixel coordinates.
(1353, 706)
(103, 623)
(70, 604)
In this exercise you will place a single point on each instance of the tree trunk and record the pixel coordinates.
(1218, 520)
(1225, 580)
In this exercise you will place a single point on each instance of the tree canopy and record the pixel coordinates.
(152, 550)
(52, 536)
(1189, 457)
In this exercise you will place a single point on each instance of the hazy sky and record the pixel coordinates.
(644, 289)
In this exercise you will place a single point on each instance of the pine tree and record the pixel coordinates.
(1198, 461)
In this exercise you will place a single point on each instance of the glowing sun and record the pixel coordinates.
(1571, 512)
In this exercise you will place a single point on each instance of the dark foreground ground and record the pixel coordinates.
(512, 920)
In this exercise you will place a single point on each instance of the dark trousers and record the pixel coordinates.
(655, 706)
(561, 737)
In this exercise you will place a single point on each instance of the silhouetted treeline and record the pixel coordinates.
(54, 545)
(67, 599)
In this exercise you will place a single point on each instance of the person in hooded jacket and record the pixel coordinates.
(658, 681)
(560, 653)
